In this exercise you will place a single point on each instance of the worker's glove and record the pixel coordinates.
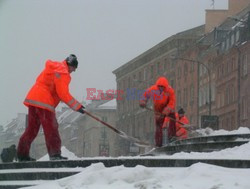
(81, 110)
(143, 103)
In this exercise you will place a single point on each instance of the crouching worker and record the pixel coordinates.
(163, 97)
(51, 87)
(9, 154)
(181, 132)
(181, 120)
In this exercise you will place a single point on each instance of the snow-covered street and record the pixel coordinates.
(197, 176)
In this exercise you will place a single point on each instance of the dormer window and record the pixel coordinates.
(237, 35)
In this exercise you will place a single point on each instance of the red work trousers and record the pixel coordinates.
(36, 117)
(159, 120)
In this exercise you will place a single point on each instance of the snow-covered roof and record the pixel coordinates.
(9, 125)
(108, 105)
(68, 116)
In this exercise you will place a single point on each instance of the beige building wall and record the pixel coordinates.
(96, 139)
(214, 18)
(236, 6)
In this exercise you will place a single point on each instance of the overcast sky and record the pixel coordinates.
(104, 34)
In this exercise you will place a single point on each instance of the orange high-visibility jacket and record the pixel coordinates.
(182, 119)
(164, 100)
(181, 132)
(51, 87)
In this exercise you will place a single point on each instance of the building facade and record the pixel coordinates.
(209, 73)
(140, 73)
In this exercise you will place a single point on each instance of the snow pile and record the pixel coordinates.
(65, 152)
(197, 176)
(210, 132)
(238, 152)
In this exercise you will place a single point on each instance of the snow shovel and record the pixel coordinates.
(136, 141)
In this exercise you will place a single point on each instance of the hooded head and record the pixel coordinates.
(162, 82)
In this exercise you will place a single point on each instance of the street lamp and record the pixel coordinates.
(209, 78)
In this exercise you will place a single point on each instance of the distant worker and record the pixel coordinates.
(181, 121)
(163, 97)
(51, 87)
(9, 154)
(181, 132)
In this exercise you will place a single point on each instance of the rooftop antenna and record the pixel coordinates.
(212, 3)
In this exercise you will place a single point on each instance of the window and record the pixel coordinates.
(152, 71)
(179, 98)
(134, 77)
(145, 74)
(201, 97)
(232, 39)
(192, 67)
(104, 119)
(172, 83)
(227, 67)
(233, 98)
(191, 94)
(206, 94)
(223, 45)
(222, 70)
(244, 108)
(212, 91)
(218, 72)
(244, 65)
(222, 99)
(228, 125)
(179, 72)
(233, 122)
(103, 133)
(191, 119)
(218, 101)
(233, 64)
(129, 82)
(172, 64)
(237, 35)
(227, 44)
(140, 76)
(227, 96)
(185, 69)
(203, 70)
(185, 97)
(158, 68)
(123, 84)
(165, 64)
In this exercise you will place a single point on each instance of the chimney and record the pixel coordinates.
(215, 17)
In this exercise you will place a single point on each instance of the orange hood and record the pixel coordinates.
(53, 66)
(162, 81)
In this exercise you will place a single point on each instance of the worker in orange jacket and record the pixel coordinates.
(51, 87)
(163, 97)
(181, 132)
(181, 119)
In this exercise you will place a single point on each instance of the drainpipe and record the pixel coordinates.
(239, 76)
(198, 96)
